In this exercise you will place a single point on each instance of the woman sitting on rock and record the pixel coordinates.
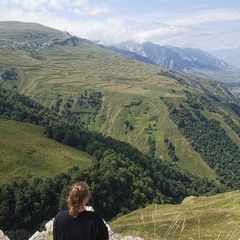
(77, 223)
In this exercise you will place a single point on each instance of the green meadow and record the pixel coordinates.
(26, 153)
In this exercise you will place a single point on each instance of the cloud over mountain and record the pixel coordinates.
(205, 25)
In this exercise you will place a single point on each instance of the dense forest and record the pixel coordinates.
(208, 137)
(20, 108)
(122, 179)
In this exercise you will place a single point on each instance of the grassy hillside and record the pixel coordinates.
(68, 74)
(22, 33)
(26, 153)
(215, 217)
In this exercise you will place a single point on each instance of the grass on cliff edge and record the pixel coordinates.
(215, 217)
(26, 153)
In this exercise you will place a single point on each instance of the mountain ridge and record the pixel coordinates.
(232, 56)
(188, 60)
(192, 61)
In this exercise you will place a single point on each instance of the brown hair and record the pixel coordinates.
(78, 192)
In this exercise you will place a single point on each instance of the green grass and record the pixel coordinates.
(19, 32)
(208, 218)
(155, 94)
(26, 153)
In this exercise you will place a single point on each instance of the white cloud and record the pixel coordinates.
(97, 20)
(26, 4)
(46, 4)
(213, 16)
(92, 10)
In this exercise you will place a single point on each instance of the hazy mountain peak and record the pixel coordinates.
(188, 60)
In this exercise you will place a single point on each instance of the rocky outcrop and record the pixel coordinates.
(43, 235)
(3, 236)
(49, 229)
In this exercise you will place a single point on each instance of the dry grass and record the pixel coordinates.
(206, 218)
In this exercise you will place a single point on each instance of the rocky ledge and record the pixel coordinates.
(49, 229)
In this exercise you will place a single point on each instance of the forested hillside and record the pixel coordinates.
(121, 177)
(208, 138)
(109, 93)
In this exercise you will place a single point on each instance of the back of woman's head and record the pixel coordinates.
(77, 194)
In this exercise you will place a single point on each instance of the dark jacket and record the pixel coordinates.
(86, 226)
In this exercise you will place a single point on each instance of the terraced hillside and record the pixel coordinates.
(118, 96)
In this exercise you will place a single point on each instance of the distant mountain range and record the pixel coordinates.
(192, 61)
(232, 56)
(187, 60)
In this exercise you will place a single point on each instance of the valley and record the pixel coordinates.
(71, 109)
(66, 73)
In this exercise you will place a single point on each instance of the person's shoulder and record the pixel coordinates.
(93, 214)
(62, 213)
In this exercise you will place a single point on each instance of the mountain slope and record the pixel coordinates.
(191, 61)
(231, 56)
(115, 165)
(214, 217)
(28, 35)
(26, 153)
(131, 54)
(126, 99)
(49, 83)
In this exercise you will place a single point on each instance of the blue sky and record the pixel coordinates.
(206, 24)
